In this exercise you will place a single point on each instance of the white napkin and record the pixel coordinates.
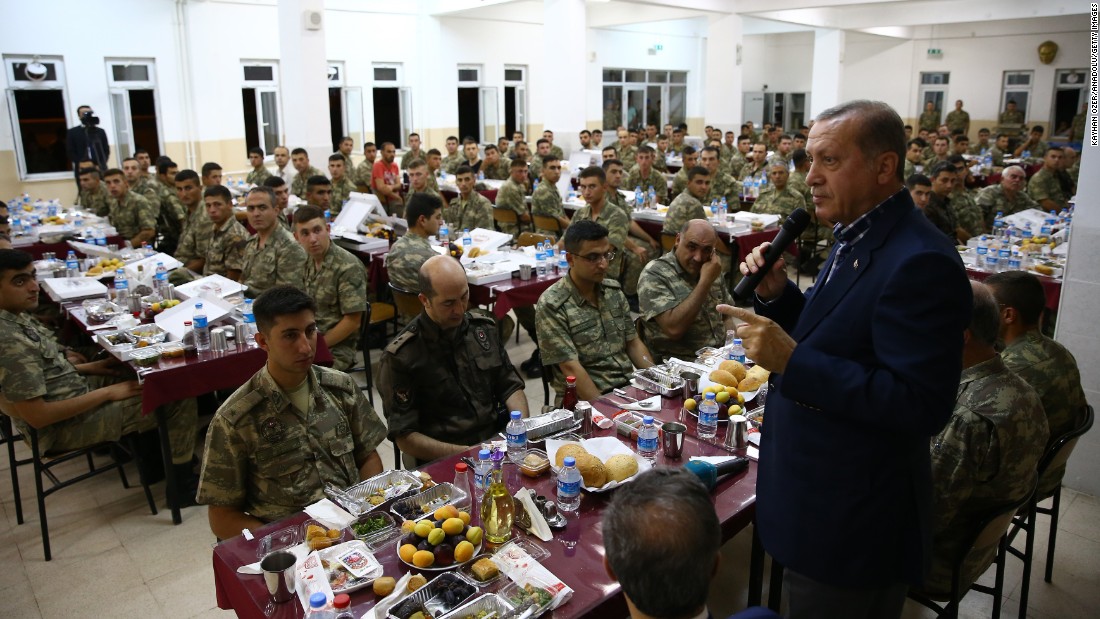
(299, 551)
(329, 514)
(400, 592)
(539, 528)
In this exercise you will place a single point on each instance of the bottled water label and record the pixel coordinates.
(647, 445)
(199, 322)
(569, 488)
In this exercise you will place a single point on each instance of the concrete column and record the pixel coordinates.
(721, 79)
(564, 63)
(828, 70)
(303, 81)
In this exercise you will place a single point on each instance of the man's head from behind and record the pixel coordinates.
(661, 537)
(18, 287)
(287, 328)
(985, 325)
(444, 291)
(1021, 299)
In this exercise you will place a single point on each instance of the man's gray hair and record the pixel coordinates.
(985, 317)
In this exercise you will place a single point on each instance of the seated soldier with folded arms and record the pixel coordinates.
(292, 428)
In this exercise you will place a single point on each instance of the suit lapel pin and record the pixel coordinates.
(855, 265)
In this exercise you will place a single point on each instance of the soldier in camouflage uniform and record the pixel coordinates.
(291, 429)
(679, 292)
(299, 158)
(639, 248)
(224, 253)
(38, 383)
(435, 165)
(129, 213)
(660, 155)
(341, 186)
(690, 159)
(1034, 144)
(645, 176)
(986, 455)
(1011, 115)
(435, 408)
(554, 150)
(583, 320)
(93, 195)
(968, 215)
(258, 174)
(424, 216)
(546, 201)
(1044, 188)
(469, 209)
(172, 212)
(336, 280)
(344, 149)
(958, 119)
(454, 156)
(511, 196)
(688, 205)
(722, 185)
(1008, 197)
(1046, 365)
(782, 199)
(929, 118)
(1077, 129)
(141, 184)
(495, 167)
(364, 170)
(418, 181)
(271, 257)
(983, 142)
(414, 153)
(739, 156)
(197, 228)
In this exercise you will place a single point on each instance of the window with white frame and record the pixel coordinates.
(260, 95)
(132, 87)
(636, 97)
(393, 114)
(39, 111)
(933, 89)
(1017, 87)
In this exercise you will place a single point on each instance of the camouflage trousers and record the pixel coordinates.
(113, 420)
(632, 267)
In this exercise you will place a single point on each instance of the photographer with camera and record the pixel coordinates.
(87, 142)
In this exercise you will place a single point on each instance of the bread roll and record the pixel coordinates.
(569, 449)
(723, 377)
(736, 368)
(620, 467)
(592, 470)
(751, 383)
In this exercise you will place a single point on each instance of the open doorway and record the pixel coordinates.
(469, 114)
(387, 116)
(336, 116)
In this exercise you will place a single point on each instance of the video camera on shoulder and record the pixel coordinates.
(89, 119)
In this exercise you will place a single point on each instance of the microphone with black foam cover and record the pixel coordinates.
(792, 228)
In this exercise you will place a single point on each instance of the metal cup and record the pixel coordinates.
(737, 433)
(691, 384)
(672, 439)
(218, 341)
(242, 335)
(525, 271)
(278, 570)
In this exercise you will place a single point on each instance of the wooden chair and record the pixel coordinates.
(376, 313)
(527, 239)
(992, 531)
(506, 216)
(546, 222)
(668, 242)
(44, 468)
(407, 302)
(1057, 455)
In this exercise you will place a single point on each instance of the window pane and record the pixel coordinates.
(131, 73)
(385, 74)
(334, 73)
(635, 76)
(934, 78)
(513, 75)
(678, 77)
(612, 107)
(20, 71)
(677, 104)
(259, 73)
(467, 75)
(653, 105)
(658, 77)
(1018, 79)
(1020, 97)
(269, 110)
(42, 128)
(612, 75)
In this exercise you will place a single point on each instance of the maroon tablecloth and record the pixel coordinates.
(576, 554)
(1051, 287)
(515, 292)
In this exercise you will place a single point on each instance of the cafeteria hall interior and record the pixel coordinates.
(204, 80)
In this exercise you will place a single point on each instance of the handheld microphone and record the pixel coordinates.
(794, 226)
(709, 473)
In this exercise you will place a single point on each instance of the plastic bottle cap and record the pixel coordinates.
(483, 454)
(461, 467)
(570, 379)
(710, 396)
(647, 420)
(342, 601)
(569, 461)
(737, 341)
(198, 306)
(318, 600)
(516, 415)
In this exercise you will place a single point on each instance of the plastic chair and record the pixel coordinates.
(407, 302)
(43, 467)
(991, 532)
(1056, 455)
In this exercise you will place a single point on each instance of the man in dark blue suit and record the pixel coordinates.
(865, 366)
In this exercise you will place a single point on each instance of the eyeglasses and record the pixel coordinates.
(595, 258)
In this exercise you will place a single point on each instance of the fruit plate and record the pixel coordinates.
(435, 569)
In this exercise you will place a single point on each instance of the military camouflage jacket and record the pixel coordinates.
(780, 202)
(226, 249)
(546, 201)
(654, 179)
(1044, 185)
(299, 185)
(405, 258)
(663, 285)
(131, 215)
(341, 191)
(257, 176)
(512, 196)
(279, 261)
(474, 212)
(339, 286)
(682, 210)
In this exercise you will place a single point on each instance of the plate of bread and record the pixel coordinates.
(730, 373)
(605, 463)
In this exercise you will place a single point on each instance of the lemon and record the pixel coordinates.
(690, 404)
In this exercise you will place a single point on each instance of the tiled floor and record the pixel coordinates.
(111, 558)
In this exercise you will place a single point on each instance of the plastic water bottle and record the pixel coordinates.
(540, 259)
(480, 175)
(481, 475)
(1003, 254)
(100, 237)
(736, 351)
(572, 194)
(991, 261)
(146, 250)
(1048, 224)
(535, 186)
(1025, 155)
(723, 208)
(1014, 260)
(714, 207)
(202, 329)
(122, 289)
(467, 241)
(517, 438)
(72, 265)
(982, 249)
(998, 224)
(250, 322)
(551, 259)
(328, 216)
(569, 486)
(647, 439)
(563, 265)
(639, 199)
(652, 197)
(160, 279)
(1027, 234)
(708, 417)
(319, 607)
(16, 226)
(444, 234)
